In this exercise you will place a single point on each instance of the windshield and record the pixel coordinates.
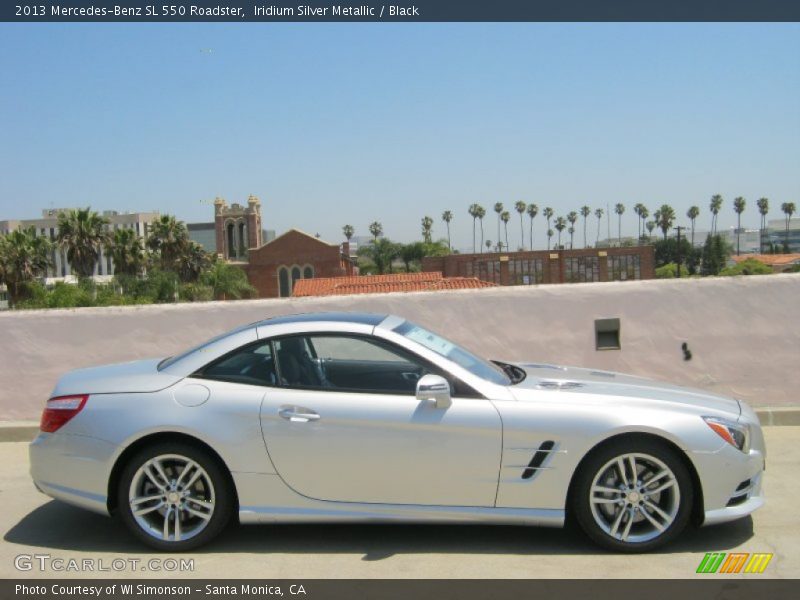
(169, 361)
(463, 358)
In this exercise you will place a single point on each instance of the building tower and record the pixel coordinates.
(237, 228)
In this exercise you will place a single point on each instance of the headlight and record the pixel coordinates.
(735, 434)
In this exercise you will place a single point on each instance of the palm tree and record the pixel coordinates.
(382, 252)
(505, 217)
(638, 211)
(498, 208)
(447, 216)
(693, 213)
(739, 204)
(348, 231)
(644, 212)
(549, 236)
(168, 239)
(193, 261)
(24, 256)
(520, 207)
(427, 227)
(599, 214)
(474, 210)
(572, 217)
(227, 281)
(481, 214)
(410, 253)
(650, 226)
(548, 214)
(715, 205)
(763, 209)
(619, 208)
(127, 252)
(532, 211)
(666, 217)
(82, 233)
(585, 212)
(376, 229)
(488, 245)
(561, 225)
(788, 209)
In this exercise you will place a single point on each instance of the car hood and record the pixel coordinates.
(609, 383)
(135, 376)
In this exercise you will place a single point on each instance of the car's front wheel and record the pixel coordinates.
(633, 495)
(174, 496)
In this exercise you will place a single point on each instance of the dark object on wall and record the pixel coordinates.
(687, 354)
(606, 333)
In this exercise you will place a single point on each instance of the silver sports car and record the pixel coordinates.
(362, 417)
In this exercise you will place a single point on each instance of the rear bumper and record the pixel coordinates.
(72, 468)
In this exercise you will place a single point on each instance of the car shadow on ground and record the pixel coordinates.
(55, 525)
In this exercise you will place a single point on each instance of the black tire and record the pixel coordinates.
(214, 483)
(675, 501)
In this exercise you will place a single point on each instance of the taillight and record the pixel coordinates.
(60, 410)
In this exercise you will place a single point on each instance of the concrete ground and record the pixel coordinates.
(34, 525)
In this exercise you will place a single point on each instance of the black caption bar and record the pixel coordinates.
(395, 589)
(404, 11)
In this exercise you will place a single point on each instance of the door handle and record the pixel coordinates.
(298, 414)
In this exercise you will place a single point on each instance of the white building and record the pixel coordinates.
(47, 226)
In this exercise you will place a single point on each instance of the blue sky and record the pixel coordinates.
(332, 123)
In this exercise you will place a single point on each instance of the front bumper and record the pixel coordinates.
(72, 468)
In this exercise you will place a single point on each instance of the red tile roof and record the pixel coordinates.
(383, 284)
(772, 260)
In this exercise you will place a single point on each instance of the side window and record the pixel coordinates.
(253, 365)
(346, 363)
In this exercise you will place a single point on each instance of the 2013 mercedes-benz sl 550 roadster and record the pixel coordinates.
(360, 417)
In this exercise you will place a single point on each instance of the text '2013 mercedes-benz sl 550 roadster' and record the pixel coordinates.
(348, 417)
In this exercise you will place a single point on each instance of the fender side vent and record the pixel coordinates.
(538, 459)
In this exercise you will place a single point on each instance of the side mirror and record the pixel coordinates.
(436, 388)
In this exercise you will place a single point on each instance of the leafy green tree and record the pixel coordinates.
(749, 266)
(666, 217)
(168, 240)
(227, 281)
(715, 206)
(427, 228)
(715, 254)
(82, 234)
(127, 252)
(599, 214)
(692, 214)
(24, 257)
(382, 253)
(532, 211)
(670, 271)
(376, 229)
(410, 253)
(193, 261)
(520, 207)
(447, 216)
(669, 251)
(738, 206)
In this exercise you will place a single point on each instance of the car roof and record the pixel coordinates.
(361, 318)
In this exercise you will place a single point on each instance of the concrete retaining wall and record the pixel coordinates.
(744, 333)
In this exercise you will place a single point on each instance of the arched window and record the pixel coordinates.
(308, 272)
(242, 239)
(295, 275)
(231, 242)
(283, 283)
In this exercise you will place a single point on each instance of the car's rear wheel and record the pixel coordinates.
(175, 497)
(633, 495)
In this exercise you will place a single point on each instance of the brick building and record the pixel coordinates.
(237, 228)
(555, 266)
(275, 267)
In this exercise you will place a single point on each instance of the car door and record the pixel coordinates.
(344, 425)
